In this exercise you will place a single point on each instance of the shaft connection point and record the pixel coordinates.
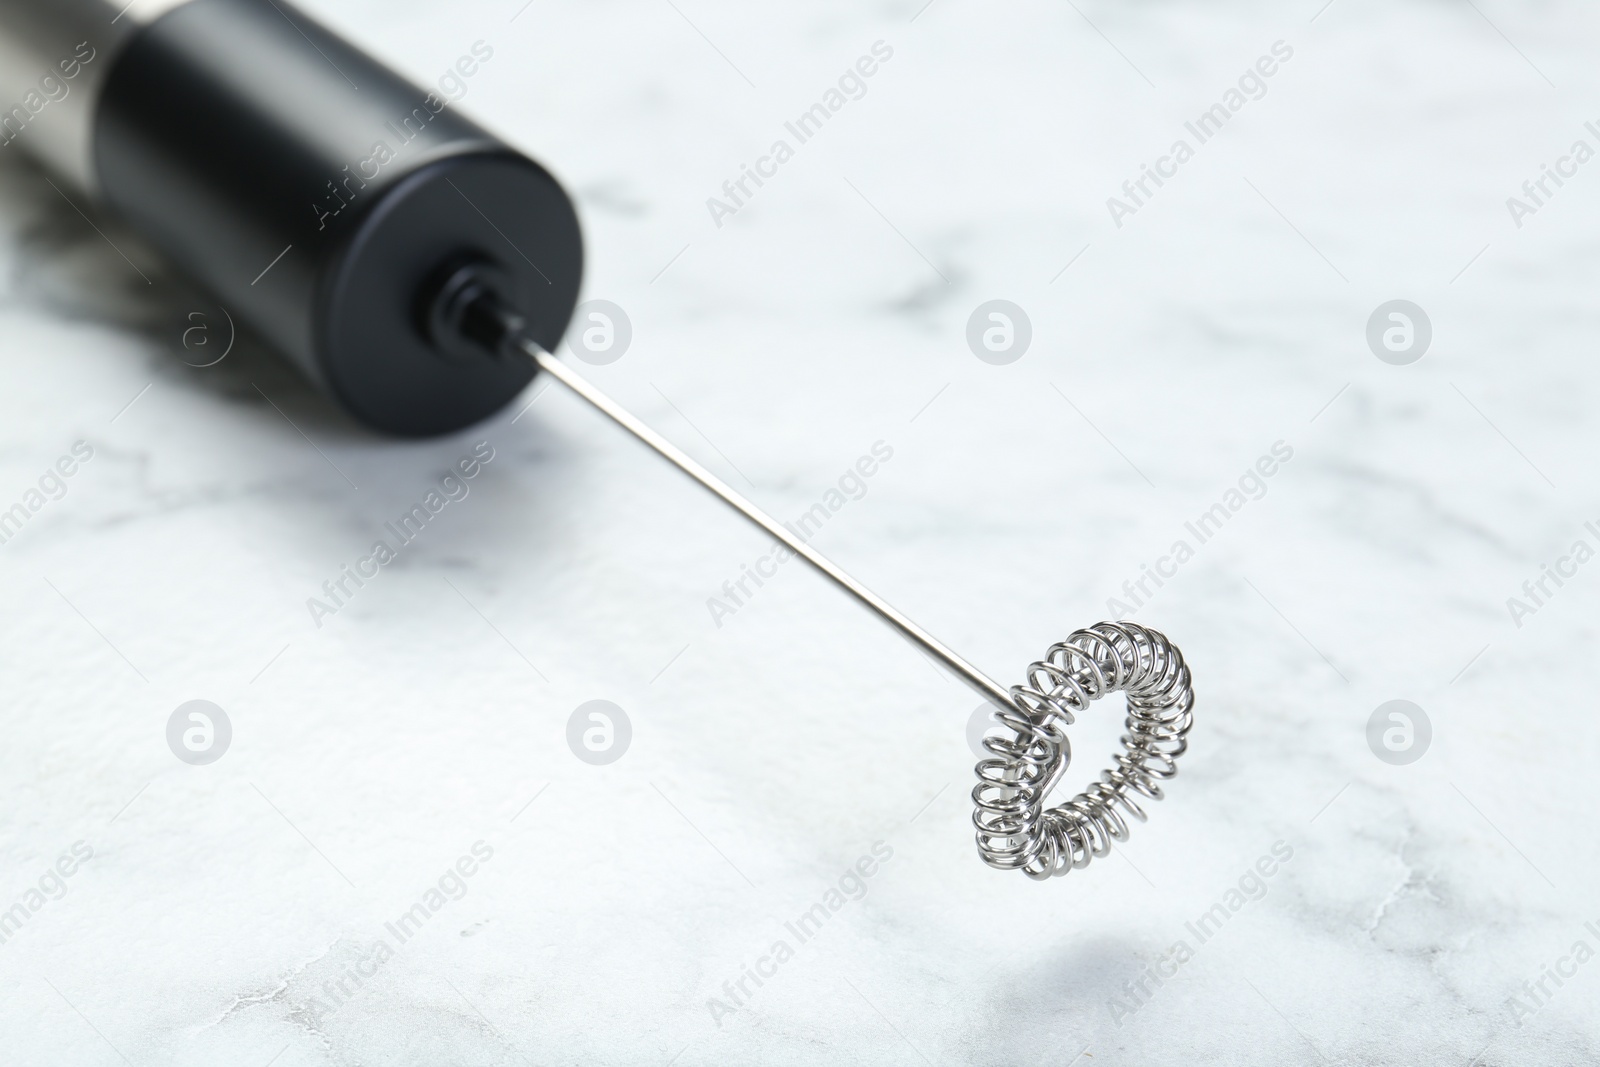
(467, 314)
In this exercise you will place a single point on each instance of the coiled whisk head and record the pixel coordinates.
(1015, 830)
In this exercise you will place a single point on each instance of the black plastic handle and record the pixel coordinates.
(320, 196)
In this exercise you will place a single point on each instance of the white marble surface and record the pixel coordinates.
(772, 752)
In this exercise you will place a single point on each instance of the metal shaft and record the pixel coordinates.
(981, 683)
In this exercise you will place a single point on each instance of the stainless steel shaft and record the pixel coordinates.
(981, 683)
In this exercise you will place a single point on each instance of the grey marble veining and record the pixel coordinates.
(254, 910)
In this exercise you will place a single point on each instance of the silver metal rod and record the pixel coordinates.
(981, 683)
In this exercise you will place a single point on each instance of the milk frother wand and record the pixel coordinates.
(420, 271)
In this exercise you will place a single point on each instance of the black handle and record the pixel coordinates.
(320, 196)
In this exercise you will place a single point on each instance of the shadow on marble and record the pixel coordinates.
(1067, 988)
(74, 263)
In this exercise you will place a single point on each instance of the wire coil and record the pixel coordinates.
(1015, 830)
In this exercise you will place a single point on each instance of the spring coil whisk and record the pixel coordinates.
(1015, 830)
